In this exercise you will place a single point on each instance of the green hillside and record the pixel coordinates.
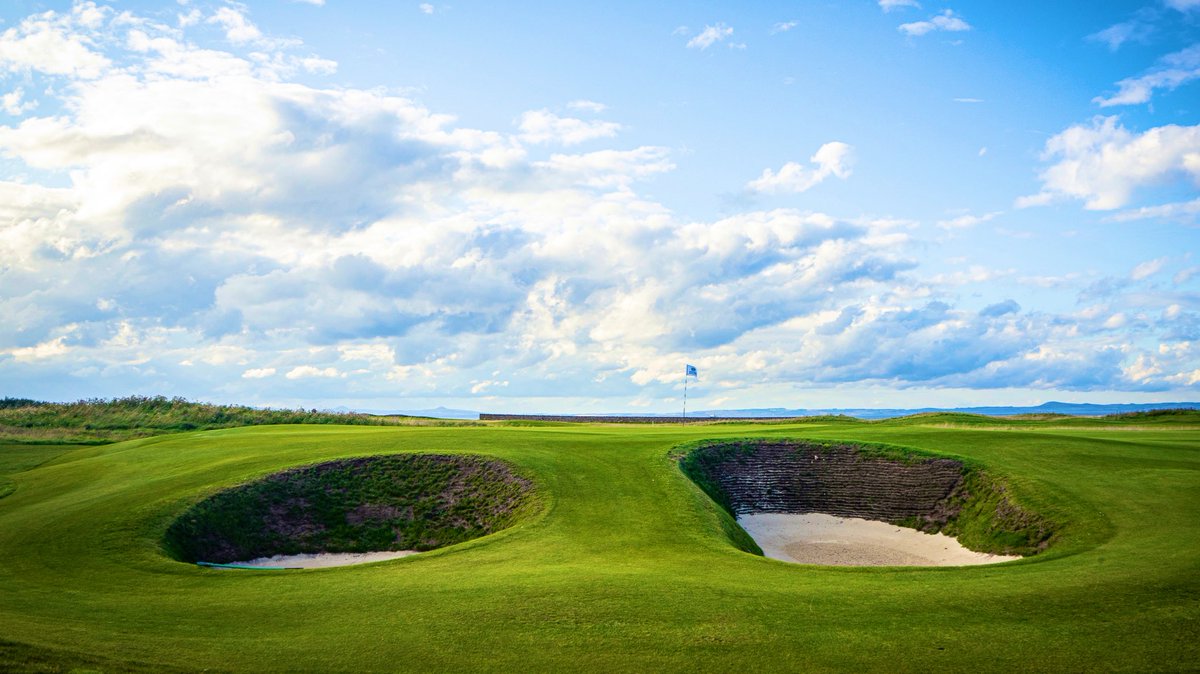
(625, 565)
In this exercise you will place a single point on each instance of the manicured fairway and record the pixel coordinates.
(625, 568)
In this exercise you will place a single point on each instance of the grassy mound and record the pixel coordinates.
(917, 490)
(400, 502)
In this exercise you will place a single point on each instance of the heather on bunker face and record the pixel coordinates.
(396, 502)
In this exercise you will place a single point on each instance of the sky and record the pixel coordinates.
(553, 207)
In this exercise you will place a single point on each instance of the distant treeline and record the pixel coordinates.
(100, 420)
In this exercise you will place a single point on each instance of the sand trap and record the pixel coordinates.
(817, 538)
(324, 559)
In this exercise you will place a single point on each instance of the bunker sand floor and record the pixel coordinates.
(817, 538)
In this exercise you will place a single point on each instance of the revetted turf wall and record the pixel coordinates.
(928, 493)
(395, 502)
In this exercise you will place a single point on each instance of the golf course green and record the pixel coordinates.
(618, 562)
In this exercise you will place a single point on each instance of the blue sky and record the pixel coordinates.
(555, 206)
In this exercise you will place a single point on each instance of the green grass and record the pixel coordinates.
(628, 566)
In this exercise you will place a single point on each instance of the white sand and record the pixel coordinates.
(817, 538)
(324, 559)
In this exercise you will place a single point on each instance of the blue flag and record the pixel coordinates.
(691, 372)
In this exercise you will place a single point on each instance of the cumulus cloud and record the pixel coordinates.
(1103, 163)
(259, 373)
(946, 21)
(213, 225)
(783, 27)
(305, 371)
(55, 44)
(238, 28)
(831, 159)
(710, 36)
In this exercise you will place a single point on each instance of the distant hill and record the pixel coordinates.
(1074, 409)
(433, 412)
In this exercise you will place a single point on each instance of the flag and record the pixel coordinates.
(691, 371)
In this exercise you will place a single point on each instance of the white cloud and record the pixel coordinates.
(1183, 5)
(587, 106)
(1134, 30)
(1184, 210)
(305, 371)
(889, 5)
(14, 104)
(609, 168)
(318, 65)
(1103, 163)
(192, 18)
(1171, 72)
(48, 349)
(783, 27)
(318, 3)
(968, 220)
(1148, 268)
(946, 21)
(543, 126)
(831, 159)
(710, 36)
(261, 373)
(426, 8)
(50, 43)
(968, 100)
(238, 29)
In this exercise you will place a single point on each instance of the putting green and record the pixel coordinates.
(624, 566)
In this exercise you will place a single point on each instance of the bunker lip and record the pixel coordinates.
(317, 560)
(829, 540)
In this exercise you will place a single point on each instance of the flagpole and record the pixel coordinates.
(684, 396)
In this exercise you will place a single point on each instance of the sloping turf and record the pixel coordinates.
(625, 568)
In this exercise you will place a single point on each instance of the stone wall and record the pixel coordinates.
(621, 419)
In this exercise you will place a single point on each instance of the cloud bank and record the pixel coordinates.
(195, 220)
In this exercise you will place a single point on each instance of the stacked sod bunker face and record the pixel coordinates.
(889, 484)
(370, 504)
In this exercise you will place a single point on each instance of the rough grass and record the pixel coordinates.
(626, 567)
(101, 421)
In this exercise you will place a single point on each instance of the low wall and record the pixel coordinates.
(620, 420)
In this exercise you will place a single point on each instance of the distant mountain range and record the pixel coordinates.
(1075, 409)
(435, 412)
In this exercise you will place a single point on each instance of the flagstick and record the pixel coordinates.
(684, 397)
